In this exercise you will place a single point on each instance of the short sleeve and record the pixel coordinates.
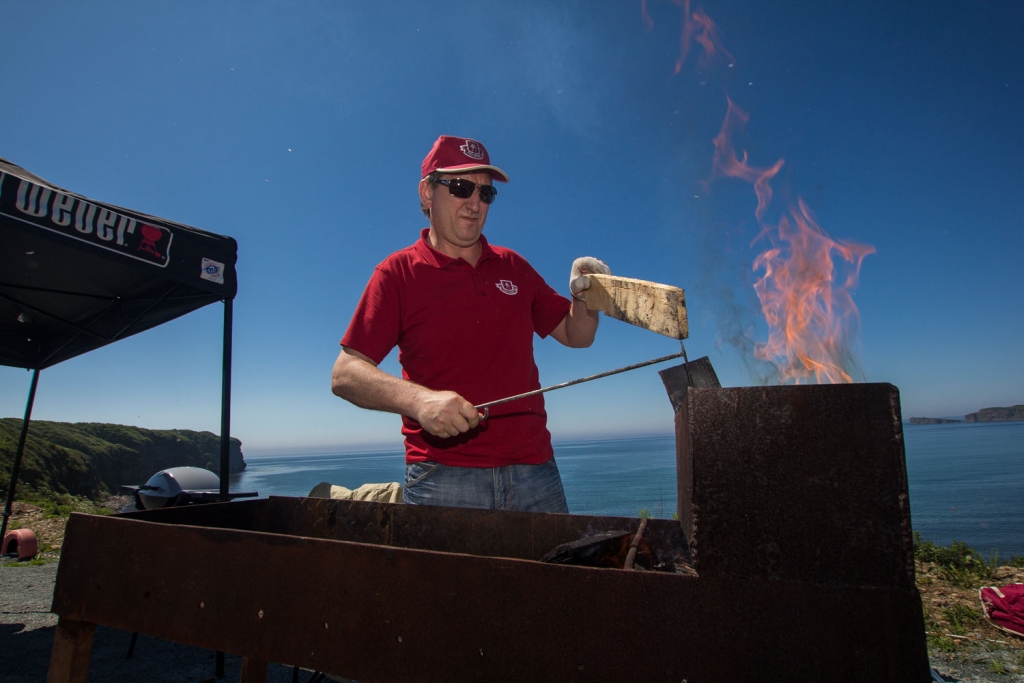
(373, 330)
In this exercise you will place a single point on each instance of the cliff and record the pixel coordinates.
(92, 460)
(1010, 414)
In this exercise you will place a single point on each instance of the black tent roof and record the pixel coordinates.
(77, 274)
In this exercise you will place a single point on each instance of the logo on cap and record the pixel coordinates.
(472, 149)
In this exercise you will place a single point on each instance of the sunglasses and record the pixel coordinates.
(463, 189)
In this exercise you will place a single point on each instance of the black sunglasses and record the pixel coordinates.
(463, 189)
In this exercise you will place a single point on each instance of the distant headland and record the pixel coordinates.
(1011, 414)
(93, 460)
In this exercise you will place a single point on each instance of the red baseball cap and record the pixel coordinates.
(452, 154)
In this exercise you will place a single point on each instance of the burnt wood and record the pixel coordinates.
(697, 373)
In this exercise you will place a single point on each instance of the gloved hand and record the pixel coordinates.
(578, 280)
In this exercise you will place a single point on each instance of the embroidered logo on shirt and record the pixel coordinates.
(506, 287)
(472, 149)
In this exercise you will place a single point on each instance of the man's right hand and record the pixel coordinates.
(446, 414)
(357, 379)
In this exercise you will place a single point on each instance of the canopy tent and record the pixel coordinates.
(77, 274)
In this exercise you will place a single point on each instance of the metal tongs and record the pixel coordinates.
(486, 407)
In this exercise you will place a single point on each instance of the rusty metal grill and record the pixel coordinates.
(792, 506)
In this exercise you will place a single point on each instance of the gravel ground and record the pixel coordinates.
(972, 667)
(26, 640)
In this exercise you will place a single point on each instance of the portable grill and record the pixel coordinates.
(179, 486)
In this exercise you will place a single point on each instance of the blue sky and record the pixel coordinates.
(298, 129)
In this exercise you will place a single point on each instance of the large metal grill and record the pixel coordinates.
(792, 505)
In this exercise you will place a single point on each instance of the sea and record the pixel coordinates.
(966, 480)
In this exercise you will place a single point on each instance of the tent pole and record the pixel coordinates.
(225, 404)
(21, 449)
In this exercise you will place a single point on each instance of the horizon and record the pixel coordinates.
(299, 130)
(396, 445)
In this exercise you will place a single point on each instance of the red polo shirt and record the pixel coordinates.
(468, 330)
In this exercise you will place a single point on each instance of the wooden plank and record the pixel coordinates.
(698, 374)
(253, 670)
(650, 305)
(72, 649)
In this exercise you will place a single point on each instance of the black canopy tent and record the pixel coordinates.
(77, 274)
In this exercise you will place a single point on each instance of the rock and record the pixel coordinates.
(1011, 414)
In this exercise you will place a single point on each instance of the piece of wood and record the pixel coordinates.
(254, 670)
(698, 374)
(650, 305)
(72, 649)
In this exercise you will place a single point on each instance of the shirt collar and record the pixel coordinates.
(440, 260)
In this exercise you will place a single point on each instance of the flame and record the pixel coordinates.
(697, 27)
(726, 164)
(808, 308)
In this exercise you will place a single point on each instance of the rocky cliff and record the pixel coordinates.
(92, 459)
(1010, 414)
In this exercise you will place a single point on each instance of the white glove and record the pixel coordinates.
(578, 281)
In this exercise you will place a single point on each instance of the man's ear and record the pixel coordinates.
(426, 194)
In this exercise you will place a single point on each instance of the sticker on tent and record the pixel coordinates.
(212, 271)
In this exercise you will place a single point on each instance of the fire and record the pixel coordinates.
(726, 164)
(697, 27)
(809, 309)
(808, 306)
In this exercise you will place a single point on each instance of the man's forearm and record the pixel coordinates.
(359, 381)
(580, 325)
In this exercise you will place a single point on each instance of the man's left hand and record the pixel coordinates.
(578, 280)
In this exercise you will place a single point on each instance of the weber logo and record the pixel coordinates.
(76, 218)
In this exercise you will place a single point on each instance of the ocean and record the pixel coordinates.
(966, 480)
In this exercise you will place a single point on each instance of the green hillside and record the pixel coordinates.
(1000, 414)
(92, 460)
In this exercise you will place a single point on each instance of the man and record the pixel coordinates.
(463, 314)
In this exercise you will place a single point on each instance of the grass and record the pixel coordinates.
(961, 618)
(47, 517)
(959, 564)
(998, 667)
(948, 578)
(62, 505)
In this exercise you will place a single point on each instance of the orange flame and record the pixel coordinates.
(809, 309)
(697, 26)
(726, 164)
(810, 316)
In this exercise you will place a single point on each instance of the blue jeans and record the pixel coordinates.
(527, 488)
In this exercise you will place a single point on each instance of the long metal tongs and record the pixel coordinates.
(486, 407)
